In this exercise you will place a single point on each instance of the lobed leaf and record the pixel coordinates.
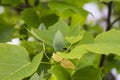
(75, 53)
(15, 63)
(30, 17)
(87, 73)
(106, 43)
(60, 73)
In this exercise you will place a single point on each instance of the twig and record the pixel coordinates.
(117, 19)
(108, 27)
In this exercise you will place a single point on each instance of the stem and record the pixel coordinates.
(108, 27)
(45, 52)
(46, 63)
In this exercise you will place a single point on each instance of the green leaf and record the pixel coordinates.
(35, 77)
(58, 42)
(61, 7)
(106, 43)
(110, 0)
(75, 53)
(104, 48)
(109, 37)
(73, 39)
(43, 34)
(31, 46)
(60, 73)
(88, 59)
(87, 73)
(42, 26)
(15, 63)
(75, 30)
(78, 2)
(11, 2)
(48, 18)
(30, 17)
(87, 38)
(5, 32)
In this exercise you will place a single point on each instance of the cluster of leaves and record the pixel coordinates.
(61, 48)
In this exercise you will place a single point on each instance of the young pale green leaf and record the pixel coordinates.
(87, 73)
(58, 42)
(15, 63)
(111, 37)
(106, 43)
(35, 77)
(76, 53)
(104, 48)
(60, 73)
(30, 17)
(73, 39)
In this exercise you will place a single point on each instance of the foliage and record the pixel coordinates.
(63, 46)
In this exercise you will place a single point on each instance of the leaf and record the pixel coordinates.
(87, 38)
(30, 17)
(15, 63)
(61, 7)
(88, 59)
(35, 77)
(106, 43)
(43, 34)
(77, 2)
(110, 36)
(11, 2)
(73, 39)
(87, 73)
(104, 48)
(60, 73)
(110, 0)
(58, 42)
(47, 18)
(75, 30)
(75, 53)
(31, 46)
(6, 32)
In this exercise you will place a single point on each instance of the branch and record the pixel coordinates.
(108, 27)
(117, 19)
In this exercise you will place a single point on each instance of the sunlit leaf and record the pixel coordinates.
(106, 43)
(73, 39)
(75, 53)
